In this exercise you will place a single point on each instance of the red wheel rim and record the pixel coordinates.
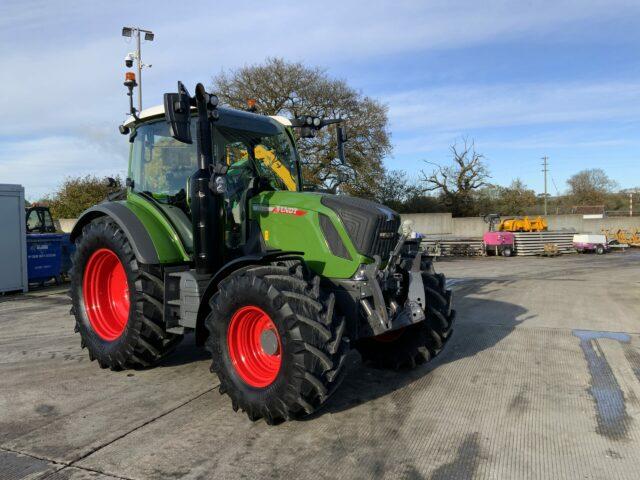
(391, 336)
(245, 337)
(106, 294)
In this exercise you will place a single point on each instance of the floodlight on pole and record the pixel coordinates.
(148, 36)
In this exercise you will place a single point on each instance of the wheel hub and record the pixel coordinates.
(269, 342)
(105, 292)
(254, 346)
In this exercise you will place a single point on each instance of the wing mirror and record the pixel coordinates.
(177, 113)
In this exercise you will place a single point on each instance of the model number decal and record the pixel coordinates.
(280, 210)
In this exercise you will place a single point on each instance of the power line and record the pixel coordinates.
(555, 186)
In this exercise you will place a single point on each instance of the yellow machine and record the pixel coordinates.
(525, 224)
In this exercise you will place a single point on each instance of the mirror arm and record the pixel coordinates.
(340, 142)
(132, 110)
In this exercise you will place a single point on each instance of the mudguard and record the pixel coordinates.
(257, 258)
(130, 224)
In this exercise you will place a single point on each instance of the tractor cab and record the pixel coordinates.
(257, 151)
(39, 220)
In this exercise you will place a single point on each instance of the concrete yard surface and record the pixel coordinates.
(540, 380)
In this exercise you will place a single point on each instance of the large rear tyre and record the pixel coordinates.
(278, 346)
(418, 343)
(117, 302)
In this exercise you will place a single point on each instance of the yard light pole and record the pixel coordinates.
(137, 56)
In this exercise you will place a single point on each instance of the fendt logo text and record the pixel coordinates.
(278, 209)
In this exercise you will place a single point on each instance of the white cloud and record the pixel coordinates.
(43, 163)
(473, 106)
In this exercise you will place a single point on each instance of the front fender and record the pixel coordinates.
(136, 233)
(260, 258)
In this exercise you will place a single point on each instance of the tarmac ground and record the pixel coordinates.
(540, 380)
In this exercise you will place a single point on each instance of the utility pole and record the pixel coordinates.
(631, 204)
(137, 55)
(545, 169)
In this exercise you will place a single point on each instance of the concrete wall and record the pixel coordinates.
(444, 224)
(576, 222)
(431, 222)
(469, 227)
(65, 224)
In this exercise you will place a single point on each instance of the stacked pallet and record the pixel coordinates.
(453, 246)
(533, 243)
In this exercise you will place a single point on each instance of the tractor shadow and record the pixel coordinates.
(186, 352)
(481, 324)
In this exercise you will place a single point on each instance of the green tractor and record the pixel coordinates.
(216, 235)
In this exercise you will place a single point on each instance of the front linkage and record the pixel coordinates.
(404, 308)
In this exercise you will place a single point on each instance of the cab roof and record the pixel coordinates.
(158, 111)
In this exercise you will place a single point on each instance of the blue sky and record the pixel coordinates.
(523, 79)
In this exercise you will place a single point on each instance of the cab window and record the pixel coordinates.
(161, 165)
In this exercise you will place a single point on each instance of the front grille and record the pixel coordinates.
(386, 237)
(373, 228)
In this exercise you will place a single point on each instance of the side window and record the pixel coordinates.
(33, 222)
(160, 164)
(48, 221)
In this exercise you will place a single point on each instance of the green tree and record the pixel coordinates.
(394, 189)
(516, 199)
(293, 89)
(76, 194)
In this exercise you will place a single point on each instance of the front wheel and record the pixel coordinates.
(507, 252)
(418, 343)
(117, 303)
(277, 345)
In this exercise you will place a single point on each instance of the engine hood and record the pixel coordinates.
(372, 227)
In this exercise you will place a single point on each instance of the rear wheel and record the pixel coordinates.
(507, 252)
(278, 346)
(599, 249)
(117, 302)
(418, 343)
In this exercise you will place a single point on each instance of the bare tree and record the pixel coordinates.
(293, 89)
(456, 183)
